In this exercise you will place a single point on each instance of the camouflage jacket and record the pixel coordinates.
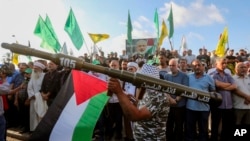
(155, 128)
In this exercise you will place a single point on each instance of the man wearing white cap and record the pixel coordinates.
(132, 66)
(151, 112)
(34, 87)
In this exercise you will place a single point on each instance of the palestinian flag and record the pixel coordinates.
(75, 110)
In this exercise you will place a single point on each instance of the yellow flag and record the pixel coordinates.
(221, 46)
(164, 33)
(15, 58)
(98, 37)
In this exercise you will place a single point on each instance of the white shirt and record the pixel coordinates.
(129, 88)
(243, 85)
(114, 98)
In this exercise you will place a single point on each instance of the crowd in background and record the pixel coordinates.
(41, 80)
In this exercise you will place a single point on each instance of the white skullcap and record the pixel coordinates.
(246, 62)
(150, 70)
(133, 64)
(40, 65)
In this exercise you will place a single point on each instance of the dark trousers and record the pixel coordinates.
(192, 117)
(226, 116)
(11, 114)
(23, 112)
(175, 123)
(113, 119)
(100, 128)
(2, 128)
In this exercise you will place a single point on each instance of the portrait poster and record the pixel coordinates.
(140, 46)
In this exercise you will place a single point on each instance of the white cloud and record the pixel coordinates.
(144, 20)
(194, 36)
(137, 25)
(143, 28)
(22, 18)
(196, 13)
(23, 15)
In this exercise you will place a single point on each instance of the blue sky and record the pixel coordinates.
(200, 21)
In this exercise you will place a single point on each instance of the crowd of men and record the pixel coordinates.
(27, 92)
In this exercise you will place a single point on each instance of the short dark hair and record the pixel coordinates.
(163, 54)
(6, 70)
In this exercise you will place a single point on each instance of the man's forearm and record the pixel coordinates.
(4, 92)
(240, 93)
(221, 84)
(128, 108)
(231, 87)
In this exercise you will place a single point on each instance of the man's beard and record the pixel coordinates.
(36, 75)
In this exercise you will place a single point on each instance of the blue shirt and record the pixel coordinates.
(17, 79)
(180, 78)
(9, 78)
(204, 83)
(227, 101)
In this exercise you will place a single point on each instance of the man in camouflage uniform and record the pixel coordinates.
(151, 112)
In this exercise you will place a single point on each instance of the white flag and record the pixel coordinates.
(64, 49)
(183, 44)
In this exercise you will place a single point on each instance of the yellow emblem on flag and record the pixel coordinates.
(221, 46)
(98, 37)
(164, 33)
(15, 58)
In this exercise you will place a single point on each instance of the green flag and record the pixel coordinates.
(48, 23)
(48, 40)
(171, 23)
(156, 21)
(151, 50)
(130, 29)
(73, 30)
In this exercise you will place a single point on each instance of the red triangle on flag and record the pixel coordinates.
(150, 42)
(87, 86)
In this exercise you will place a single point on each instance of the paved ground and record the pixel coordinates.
(14, 135)
(12, 139)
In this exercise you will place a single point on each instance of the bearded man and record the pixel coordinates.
(34, 87)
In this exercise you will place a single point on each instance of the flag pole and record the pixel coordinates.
(170, 44)
(225, 53)
(180, 48)
(87, 48)
(92, 53)
(131, 50)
